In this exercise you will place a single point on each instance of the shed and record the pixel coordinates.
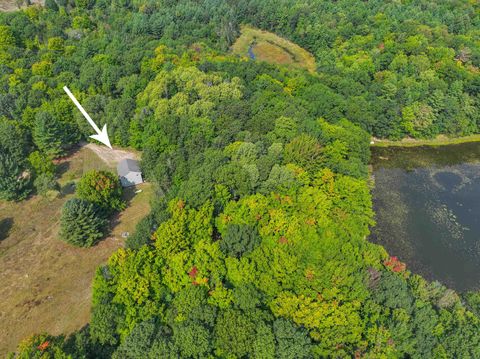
(129, 172)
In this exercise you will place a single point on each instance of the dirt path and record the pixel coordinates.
(111, 157)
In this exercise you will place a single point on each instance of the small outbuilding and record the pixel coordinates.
(129, 172)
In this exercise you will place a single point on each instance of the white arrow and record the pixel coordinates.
(101, 136)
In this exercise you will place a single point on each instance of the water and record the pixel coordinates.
(250, 52)
(427, 205)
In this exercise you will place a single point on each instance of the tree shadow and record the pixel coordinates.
(63, 163)
(68, 188)
(6, 225)
(62, 168)
(129, 194)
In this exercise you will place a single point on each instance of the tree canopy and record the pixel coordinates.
(256, 245)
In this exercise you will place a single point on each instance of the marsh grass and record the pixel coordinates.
(272, 48)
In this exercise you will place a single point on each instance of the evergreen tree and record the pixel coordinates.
(81, 223)
(47, 134)
(14, 181)
(14, 184)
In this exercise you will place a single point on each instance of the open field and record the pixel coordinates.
(440, 140)
(271, 48)
(46, 284)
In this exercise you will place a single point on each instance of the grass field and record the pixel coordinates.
(271, 48)
(46, 284)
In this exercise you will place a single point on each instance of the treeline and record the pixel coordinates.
(256, 244)
(394, 69)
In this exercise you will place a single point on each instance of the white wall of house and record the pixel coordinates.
(131, 179)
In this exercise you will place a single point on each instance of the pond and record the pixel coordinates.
(427, 205)
(250, 52)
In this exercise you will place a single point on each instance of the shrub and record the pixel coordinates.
(81, 223)
(41, 163)
(45, 182)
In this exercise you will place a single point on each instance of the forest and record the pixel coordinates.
(256, 246)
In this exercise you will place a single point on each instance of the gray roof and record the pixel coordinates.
(126, 166)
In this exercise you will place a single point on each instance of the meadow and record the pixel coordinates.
(272, 48)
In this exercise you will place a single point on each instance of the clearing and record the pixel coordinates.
(111, 157)
(13, 5)
(46, 283)
(266, 46)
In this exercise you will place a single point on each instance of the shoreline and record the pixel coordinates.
(440, 140)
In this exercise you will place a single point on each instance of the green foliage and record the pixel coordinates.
(261, 250)
(6, 37)
(101, 188)
(51, 5)
(292, 342)
(47, 135)
(239, 239)
(41, 346)
(14, 182)
(81, 223)
(41, 164)
(304, 151)
(45, 182)
(192, 339)
(12, 140)
(234, 332)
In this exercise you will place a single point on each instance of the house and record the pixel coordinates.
(129, 172)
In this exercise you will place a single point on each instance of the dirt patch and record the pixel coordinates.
(109, 156)
(46, 283)
(12, 5)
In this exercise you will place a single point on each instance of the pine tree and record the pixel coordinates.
(47, 134)
(81, 223)
(14, 181)
(13, 184)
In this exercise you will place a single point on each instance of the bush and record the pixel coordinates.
(41, 164)
(102, 188)
(81, 223)
(45, 182)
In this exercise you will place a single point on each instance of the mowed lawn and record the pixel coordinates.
(272, 48)
(45, 283)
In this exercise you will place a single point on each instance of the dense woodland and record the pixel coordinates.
(256, 244)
